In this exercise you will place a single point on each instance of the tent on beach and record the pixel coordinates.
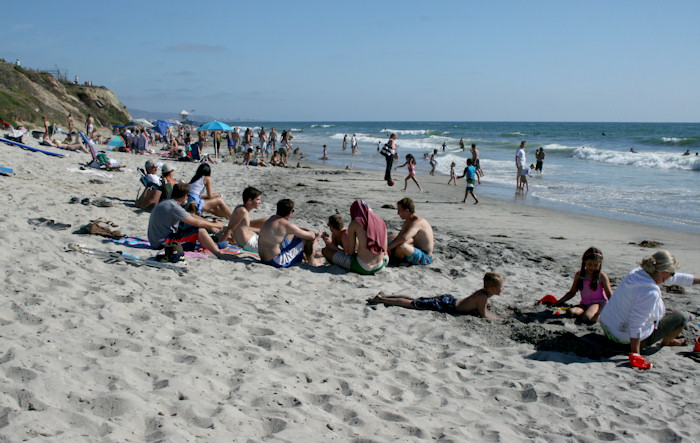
(117, 141)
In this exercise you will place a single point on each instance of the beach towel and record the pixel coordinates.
(200, 252)
(372, 224)
(88, 171)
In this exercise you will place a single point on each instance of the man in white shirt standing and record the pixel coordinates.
(520, 162)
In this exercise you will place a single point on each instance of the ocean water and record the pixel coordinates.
(588, 168)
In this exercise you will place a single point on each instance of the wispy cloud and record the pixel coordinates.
(194, 47)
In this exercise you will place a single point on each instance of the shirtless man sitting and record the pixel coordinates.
(281, 243)
(243, 231)
(365, 249)
(414, 243)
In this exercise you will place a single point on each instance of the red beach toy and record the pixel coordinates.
(637, 361)
(548, 299)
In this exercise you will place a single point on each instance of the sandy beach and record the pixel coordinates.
(239, 351)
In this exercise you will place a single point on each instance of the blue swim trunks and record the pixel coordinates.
(418, 258)
(443, 303)
(292, 252)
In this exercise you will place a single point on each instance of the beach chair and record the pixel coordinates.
(95, 163)
(151, 194)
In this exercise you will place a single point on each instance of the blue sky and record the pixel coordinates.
(376, 60)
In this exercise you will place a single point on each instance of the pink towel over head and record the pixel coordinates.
(373, 225)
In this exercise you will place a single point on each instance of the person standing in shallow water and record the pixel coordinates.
(273, 138)
(520, 162)
(476, 161)
(539, 155)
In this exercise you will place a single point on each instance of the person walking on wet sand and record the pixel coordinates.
(453, 176)
(433, 161)
(470, 172)
(475, 304)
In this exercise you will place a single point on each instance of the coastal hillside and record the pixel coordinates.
(27, 95)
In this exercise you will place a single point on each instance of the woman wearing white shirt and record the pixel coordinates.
(635, 312)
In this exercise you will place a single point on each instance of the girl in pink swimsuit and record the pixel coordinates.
(411, 163)
(593, 284)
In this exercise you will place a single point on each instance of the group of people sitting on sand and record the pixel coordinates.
(362, 247)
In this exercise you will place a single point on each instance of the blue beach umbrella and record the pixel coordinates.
(161, 126)
(215, 126)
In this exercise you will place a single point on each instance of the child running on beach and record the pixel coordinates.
(594, 285)
(470, 172)
(475, 304)
(453, 176)
(433, 161)
(411, 162)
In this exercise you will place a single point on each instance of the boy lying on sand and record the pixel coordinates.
(475, 304)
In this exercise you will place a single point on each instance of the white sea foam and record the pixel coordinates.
(657, 160)
(557, 147)
(673, 139)
(406, 131)
(315, 125)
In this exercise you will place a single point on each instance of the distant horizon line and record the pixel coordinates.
(460, 121)
(228, 120)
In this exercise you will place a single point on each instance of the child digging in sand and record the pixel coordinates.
(593, 284)
(475, 304)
